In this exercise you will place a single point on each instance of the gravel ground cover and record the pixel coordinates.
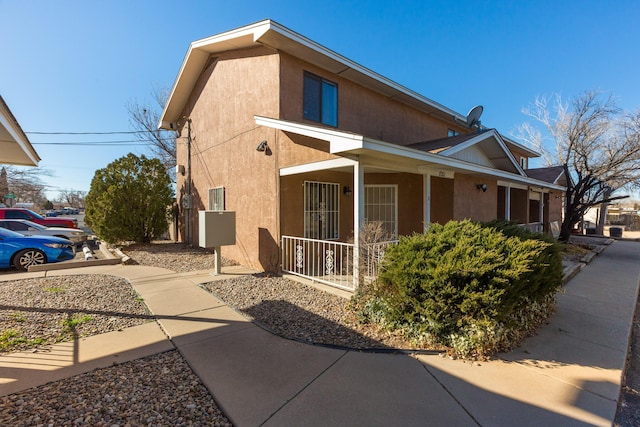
(300, 312)
(176, 257)
(53, 309)
(159, 390)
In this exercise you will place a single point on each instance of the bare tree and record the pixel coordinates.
(144, 118)
(73, 198)
(597, 144)
(25, 183)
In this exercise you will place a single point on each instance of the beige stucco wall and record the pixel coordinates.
(472, 203)
(360, 110)
(223, 150)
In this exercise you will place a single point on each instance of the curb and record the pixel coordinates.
(569, 272)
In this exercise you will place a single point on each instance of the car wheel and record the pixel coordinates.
(24, 259)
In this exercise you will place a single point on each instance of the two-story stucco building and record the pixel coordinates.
(306, 146)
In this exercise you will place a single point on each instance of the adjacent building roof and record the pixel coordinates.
(552, 174)
(15, 147)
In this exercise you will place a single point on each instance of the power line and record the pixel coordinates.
(96, 133)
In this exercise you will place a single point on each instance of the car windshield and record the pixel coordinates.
(35, 225)
(35, 215)
(8, 233)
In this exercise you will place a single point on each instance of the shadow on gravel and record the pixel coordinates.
(290, 321)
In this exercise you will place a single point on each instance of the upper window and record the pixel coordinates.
(320, 100)
(451, 132)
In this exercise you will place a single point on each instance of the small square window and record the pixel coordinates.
(451, 132)
(216, 199)
(320, 100)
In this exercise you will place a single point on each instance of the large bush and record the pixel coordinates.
(469, 287)
(128, 200)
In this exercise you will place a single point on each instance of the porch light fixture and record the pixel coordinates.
(482, 187)
(347, 191)
(262, 147)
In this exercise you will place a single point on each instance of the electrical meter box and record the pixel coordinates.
(216, 228)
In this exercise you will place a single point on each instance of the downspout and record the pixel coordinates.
(189, 203)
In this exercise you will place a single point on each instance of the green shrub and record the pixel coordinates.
(128, 200)
(465, 286)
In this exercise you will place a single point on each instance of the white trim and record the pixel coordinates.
(25, 155)
(349, 143)
(481, 137)
(317, 166)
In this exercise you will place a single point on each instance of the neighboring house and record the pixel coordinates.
(15, 148)
(306, 146)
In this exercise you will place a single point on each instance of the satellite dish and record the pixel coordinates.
(473, 117)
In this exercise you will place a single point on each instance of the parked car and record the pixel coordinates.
(22, 252)
(29, 228)
(21, 213)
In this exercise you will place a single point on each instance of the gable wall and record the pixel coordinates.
(224, 138)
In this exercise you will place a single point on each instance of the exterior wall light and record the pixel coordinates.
(482, 187)
(347, 191)
(262, 147)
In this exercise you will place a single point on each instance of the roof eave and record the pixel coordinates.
(271, 34)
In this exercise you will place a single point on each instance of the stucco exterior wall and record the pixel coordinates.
(441, 199)
(360, 110)
(224, 137)
(554, 205)
(472, 203)
(519, 205)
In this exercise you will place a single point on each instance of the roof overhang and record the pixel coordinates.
(391, 157)
(15, 148)
(494, 146)
(275, 36)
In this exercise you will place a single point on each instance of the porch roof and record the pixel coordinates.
(15, 147)
(387, 157)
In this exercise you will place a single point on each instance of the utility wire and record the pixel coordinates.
(95, 133)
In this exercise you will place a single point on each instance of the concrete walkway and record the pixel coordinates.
(569, 374)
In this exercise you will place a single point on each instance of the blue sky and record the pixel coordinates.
(72, 66)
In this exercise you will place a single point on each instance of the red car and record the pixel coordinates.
(20, 213)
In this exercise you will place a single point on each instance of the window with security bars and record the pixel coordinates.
(321, 210)
(216, 199)
(381, 204)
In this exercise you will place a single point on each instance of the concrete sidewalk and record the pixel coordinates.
(569, 374)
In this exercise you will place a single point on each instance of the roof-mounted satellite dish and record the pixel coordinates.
(473, 117)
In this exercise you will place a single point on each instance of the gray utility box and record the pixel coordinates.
(216, 228)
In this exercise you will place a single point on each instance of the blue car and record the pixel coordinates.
(22, 251)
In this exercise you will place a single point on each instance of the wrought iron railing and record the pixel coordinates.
(331, 262)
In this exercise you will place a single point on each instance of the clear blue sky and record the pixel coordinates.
(72, 66)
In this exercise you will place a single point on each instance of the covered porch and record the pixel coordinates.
(325, 205)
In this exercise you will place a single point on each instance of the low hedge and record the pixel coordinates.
(474, 288)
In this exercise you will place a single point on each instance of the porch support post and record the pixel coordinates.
(541, 209)
(358, 217)
(507, 203)
(426, 201)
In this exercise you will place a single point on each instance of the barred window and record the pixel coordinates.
(321, 210)
(381, 204)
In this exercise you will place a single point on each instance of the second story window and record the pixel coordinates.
(451, 132)
(320, 100)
